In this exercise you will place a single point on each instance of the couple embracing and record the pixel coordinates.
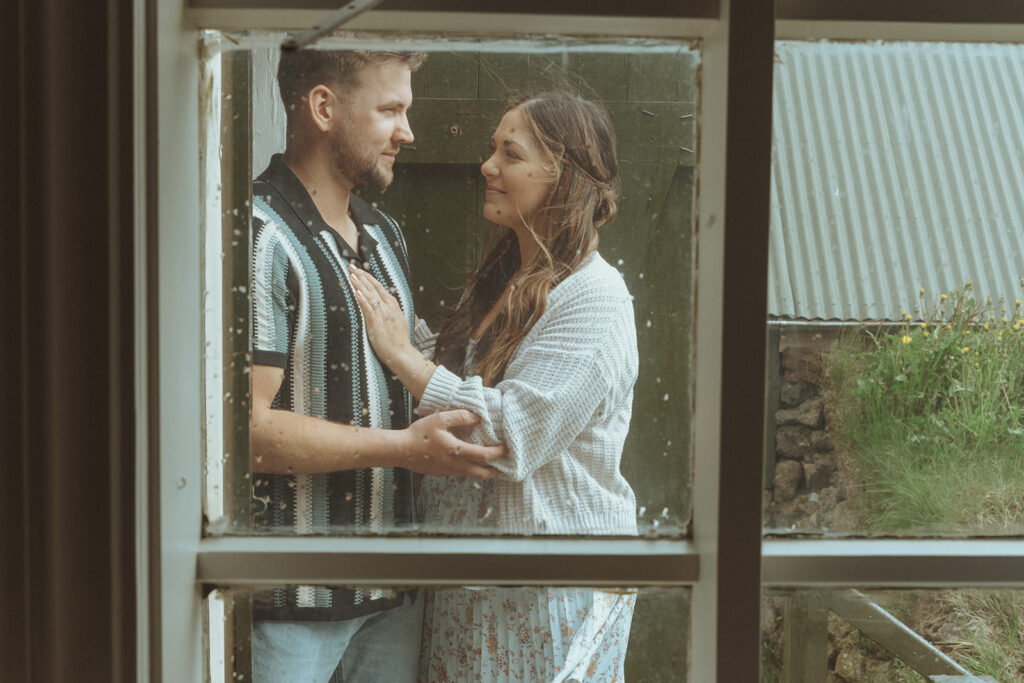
(523, 393)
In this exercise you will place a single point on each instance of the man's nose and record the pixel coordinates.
(403, 132)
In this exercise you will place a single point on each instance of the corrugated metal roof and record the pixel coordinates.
(895, 166)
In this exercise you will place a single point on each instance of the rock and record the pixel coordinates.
(788, 475)
(828, 498)
(843, 517)
(792, 394)
(950, 633)
(794, 442)
(816, 476)
(825, 462)
(801, 365)
(821, 440)
(810, 413)
(796, 513)
(849, 664)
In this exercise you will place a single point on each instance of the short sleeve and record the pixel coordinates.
(268, 277)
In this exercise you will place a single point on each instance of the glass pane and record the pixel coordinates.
(437, 197)
(896, 332)
(490, 634)
(905, 636)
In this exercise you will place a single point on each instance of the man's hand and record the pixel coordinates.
(433, 449)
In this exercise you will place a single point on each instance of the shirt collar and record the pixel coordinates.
(294, 192)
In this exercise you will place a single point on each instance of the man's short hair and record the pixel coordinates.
(299, 71)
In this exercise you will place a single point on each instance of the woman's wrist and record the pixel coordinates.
(413, 371)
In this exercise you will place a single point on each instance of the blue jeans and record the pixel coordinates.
(383, 646)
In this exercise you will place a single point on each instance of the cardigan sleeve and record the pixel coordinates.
(423, 340)
(580, 349)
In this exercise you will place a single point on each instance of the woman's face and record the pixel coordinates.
(518, 183)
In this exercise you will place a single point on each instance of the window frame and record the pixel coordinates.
(722, 562)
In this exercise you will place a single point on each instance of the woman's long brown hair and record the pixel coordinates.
(578, 139)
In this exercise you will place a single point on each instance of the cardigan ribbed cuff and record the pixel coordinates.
(423, 339)
(439, 392)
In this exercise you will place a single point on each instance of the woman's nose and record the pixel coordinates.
(488, 169)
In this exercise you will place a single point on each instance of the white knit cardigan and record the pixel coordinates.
(562, 408)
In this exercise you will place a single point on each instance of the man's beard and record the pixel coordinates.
(359, 165)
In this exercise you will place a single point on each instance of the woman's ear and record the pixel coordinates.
(322, 105)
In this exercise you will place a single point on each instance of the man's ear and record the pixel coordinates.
(322, 106)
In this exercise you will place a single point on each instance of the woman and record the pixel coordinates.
(543, 348)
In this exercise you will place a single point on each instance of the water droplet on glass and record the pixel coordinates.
(665, 397)
(621, 262)
(181, 483)
(648, 323)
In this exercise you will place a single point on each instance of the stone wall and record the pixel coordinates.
(807, 488)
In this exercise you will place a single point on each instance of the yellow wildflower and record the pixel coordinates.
(907, 340)
(1017, 302)
(943, 297)
(965, 349)
(924, 326)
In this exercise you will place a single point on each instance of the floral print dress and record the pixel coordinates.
(501, 635)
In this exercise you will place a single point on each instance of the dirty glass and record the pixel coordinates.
(644, 633)
(649, 89)
(897, 636)
(895, 358)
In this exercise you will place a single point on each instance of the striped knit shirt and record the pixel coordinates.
(307, 322)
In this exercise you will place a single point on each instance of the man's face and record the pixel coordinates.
(373, 124)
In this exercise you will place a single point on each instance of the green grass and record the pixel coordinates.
(993, 632)
(931, 417)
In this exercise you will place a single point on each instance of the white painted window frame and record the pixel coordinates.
(178, 563)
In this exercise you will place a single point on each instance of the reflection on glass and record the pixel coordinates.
(437, 197)
(894, 636)
(896, 340)
(480, 633)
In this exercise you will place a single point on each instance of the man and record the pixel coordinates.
(332, 438)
